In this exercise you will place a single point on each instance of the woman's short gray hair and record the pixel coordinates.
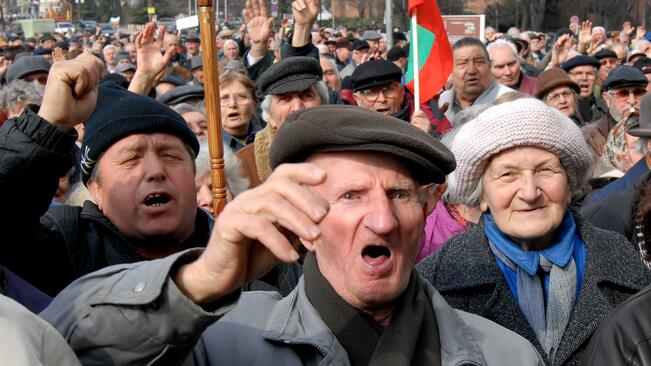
(20, 91)
(236, 181)
(321, 89)
(183, 108)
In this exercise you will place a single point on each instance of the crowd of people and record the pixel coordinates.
(504, 222)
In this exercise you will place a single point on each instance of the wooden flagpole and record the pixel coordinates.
(212, 100)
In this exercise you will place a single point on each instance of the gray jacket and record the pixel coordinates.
(27, 340)
(265, 329)
(487, 97)
(132, 314)
(136, 315)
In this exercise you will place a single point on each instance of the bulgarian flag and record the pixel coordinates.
(430, 46)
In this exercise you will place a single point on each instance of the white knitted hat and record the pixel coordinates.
(523, 122)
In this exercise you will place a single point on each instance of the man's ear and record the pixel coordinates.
(433, 195)
(94, 189)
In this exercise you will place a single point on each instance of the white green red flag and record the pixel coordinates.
(435, 60)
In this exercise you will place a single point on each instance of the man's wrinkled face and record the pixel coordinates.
(109, 55)
(471, 74)
(386, 98)
(170, 40)
(599, 35)
(146, 187)
(38, 78)
(505, 66)
(343, 54)
(231, 51)
(198, 74)
(536, 44)
(584, 76)
(621, 100)
(131, 49)
(49, 43)
(330, 75)
(197, 123)
(608, 64)
(359, 55)
(192, 47)
(372, 232)
(282, 105)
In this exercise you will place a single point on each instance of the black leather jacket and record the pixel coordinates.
(624, 337)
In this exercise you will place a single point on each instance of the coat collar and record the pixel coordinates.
(199, 238)
(607, 271)
(295, 321)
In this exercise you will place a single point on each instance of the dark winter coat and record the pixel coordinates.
(465, 272)
(52, 247)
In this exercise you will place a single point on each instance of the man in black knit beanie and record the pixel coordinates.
(137, 161)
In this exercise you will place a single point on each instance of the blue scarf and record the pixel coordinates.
(568, 243)
(547, 308)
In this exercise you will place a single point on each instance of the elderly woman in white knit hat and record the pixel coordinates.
(531, 264)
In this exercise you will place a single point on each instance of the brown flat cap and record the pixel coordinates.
(553, 78)
(348, 128)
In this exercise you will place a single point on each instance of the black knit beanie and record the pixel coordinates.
(120, 113)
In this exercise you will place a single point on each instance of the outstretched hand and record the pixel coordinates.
(561, 49)
(585, 33)
(151, 60)
(71, 91)
(305, 12)
(150, 57)
(258, 26)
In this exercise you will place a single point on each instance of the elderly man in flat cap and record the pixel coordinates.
(33, 69)
(291, 85)
(583, 71)
(376, 86)
(622, 91)
(347, 182)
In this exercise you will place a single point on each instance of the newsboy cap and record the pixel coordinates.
(333, 128)
(373, 73)
(643, 64)
(27, 65)
(182, 93)
(371, 35)
(292, 74)
(359, 44)
(581, 60)
(624, 76)
(605, 54)
(193, 38)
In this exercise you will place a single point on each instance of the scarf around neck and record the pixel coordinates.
(411, 337)
(548, 312)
